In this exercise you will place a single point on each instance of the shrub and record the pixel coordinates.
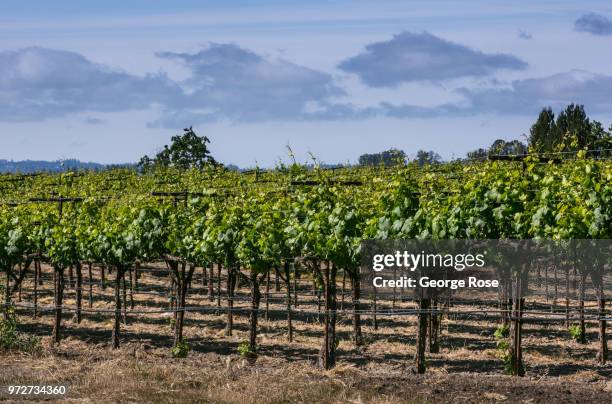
(11, 339)
(181, 350)
(501, 334)
(502, 331)
(576, 333)
(245, 351)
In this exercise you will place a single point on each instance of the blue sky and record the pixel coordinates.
(111, 81)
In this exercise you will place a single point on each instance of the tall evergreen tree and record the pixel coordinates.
(571, 131)
(542, 134)
(574, 122)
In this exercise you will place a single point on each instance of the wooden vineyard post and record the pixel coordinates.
(211, 289)
(546, 281)
(328, 349)
(40, 280)
(181, 288)
(504, 306)
(117, 318)
(267, 295)
(58, 281)
(517, 329)
(334, 316)
(231, 282)
(434, 328)
(219, 284)
(394, 297)
(71, 276)
(295, 284)
(173, 301)
(582, 339)
(567, 296)
(90, 281)
(276, 279)
(343, 289)
(374, 308)
(103, 277)
(556, 279)
(36, 274)
(602, 353)
(7, 294)
(79, 293)
(130, 279)
(508, 311)
(356, 292)
(424, 306)
(124, 295)
(255, 300)
(204, 280)
(597, 277)
(19, 286)
(136, 275)
(318, 292)
(289, 319)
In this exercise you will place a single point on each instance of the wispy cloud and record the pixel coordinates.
(93, 121)
(409, 57)
(596, 24)
(521, 97)
(529, 95)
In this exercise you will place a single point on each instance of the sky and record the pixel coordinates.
(112, 81)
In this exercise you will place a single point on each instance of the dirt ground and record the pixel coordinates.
(467, 368)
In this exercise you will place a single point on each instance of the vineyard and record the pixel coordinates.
(265, 264)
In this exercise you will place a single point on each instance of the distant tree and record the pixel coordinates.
(603, 142)
(515, 147)
(388, 158)
(232, 167)
(146, 162)
(499, 147)
(573, 121)
(571, 131)
(505, 148)
(542, 135)
(427, 157)
(186, 151)
(478, 154)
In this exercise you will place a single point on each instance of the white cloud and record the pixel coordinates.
(236, 84)
(409, 57)
(39, 83)
(231, 84)
(529, 95)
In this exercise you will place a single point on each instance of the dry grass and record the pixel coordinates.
(466, 369)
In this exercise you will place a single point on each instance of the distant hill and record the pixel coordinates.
(33, 166)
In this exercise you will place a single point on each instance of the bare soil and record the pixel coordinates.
(467, 369)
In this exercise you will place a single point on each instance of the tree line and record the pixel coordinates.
(569, 131)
